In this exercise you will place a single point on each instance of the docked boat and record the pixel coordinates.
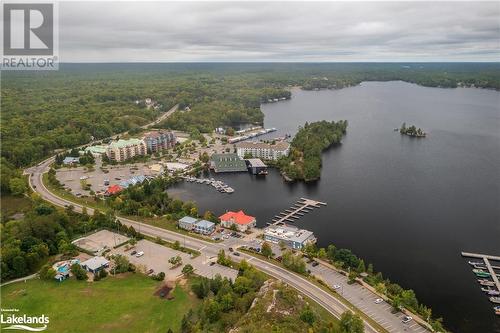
(482, 274)
(497, 309)
(485, 282)
(229, 189)
(493, 292)
(475, 263)
(495, 300)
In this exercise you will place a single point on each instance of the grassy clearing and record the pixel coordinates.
(125, 303)
(11, 205)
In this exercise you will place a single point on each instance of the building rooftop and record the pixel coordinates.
(227, 163)
(287, 232)
(95, 263)
(125, 143)
(69, 160)
(113, 189)
(96, 149)
(188, 220)
(237, 217)
(205, 224)
(256, 163)
(279, 145)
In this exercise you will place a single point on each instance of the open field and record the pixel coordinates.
(116, 304)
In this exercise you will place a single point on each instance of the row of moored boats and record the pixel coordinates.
(217, 184)
(487, 285)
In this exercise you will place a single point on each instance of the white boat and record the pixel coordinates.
(495, 300)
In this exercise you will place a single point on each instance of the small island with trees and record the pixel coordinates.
(412, 131)
(304, 160)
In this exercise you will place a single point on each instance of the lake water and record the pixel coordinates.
(407, 205)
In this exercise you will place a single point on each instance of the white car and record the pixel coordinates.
(139, 254)
(378, 300)
(336, 286)
(407, 319)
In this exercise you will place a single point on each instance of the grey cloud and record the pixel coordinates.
(279, 31)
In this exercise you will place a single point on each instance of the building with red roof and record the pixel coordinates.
(114, 189)
(242, 221)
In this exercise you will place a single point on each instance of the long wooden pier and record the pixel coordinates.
(486, 259)
(297, 210)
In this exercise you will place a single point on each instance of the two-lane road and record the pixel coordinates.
(326, 300)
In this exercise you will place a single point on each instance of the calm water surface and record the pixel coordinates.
(409, 206)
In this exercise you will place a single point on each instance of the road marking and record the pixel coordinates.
(201, 248)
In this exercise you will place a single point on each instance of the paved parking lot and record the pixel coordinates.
(156, 257)
(365, 301)
(100, 240)
(70, 177)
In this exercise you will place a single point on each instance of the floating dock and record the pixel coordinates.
(486, 259)
(296, 211)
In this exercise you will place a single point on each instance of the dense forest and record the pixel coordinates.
(304, 160)
(46, 111)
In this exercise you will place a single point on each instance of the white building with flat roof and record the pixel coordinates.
(266, 151)
(292, 236)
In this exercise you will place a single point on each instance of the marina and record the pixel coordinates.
(491, 288)
(252, 135)
(217, 184)
(296, 211)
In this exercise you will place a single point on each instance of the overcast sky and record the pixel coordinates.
(277, 31)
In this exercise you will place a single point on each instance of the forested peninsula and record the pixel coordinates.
(304, 160)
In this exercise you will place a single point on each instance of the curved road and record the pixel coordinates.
(325, 299)
(329, 302)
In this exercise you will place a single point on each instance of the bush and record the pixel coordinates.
(79, 272)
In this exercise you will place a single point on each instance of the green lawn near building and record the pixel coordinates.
(125, 303)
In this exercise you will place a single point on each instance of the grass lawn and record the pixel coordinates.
(116, 304)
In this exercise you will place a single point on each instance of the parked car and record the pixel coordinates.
(231, 249)
(315, 263)
(279, 258)
(212, 263)
(139, 254)
(378, 300)
(236, 254)
(133, 253)
(150, 271)
(407, 319)
(336, 286)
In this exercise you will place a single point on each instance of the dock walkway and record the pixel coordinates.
(297, 210)
(486, 259)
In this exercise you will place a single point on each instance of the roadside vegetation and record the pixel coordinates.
(255, 303)
(356, 270)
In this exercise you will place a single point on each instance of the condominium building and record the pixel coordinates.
(266, 151)
(159, 140)
(122, 150)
